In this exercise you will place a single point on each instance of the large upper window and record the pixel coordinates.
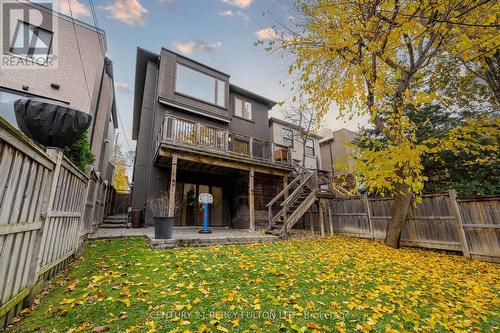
(201, 86)
(31, 41)
(242, 109)
(288, 137)
(309, 147)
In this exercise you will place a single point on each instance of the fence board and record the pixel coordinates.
(433, 223)
(41, 213)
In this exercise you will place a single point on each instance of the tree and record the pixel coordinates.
(120, 180)
(371, 56)
(121, 161)
(80, 153)
(469, 173)
(305, 119)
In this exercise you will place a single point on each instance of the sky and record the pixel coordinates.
(218, 33)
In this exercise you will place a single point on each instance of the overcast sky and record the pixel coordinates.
(219, 33)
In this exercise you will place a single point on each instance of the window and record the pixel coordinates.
(31, 41)
(309, 147)
(288, 137)
(201, 86)
(242, 109)
(221, 93)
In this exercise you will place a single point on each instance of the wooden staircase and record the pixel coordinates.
(291, 204)
(286, 209)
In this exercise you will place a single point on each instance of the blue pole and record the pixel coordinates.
(205, 220)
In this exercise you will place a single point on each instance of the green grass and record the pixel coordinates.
(301, 285)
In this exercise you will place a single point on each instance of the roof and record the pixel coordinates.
(241, 91)
(286, 123)
(141, 65)
(332, 138)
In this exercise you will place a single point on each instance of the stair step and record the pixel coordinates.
(115, 221)
(114, 225)
(117, 217)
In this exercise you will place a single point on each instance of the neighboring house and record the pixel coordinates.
(196, 132)
(75, 72)
(293, 136)
(337, 153)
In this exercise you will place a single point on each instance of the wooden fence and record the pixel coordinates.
(42, 197)
(440, 221)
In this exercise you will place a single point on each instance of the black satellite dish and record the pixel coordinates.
(50, 123)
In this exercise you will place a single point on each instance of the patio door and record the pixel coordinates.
(192, 211)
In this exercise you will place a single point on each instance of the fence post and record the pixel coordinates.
(56, 155)
(364, 196)
(456, 211)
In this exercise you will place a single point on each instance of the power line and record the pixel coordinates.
(80, 53)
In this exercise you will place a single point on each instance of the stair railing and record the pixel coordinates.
(275, 203)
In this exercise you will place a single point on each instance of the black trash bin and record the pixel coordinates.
(163, 227)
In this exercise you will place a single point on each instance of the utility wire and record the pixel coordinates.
(96, 24)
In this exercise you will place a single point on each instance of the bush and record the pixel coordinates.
(80, 153)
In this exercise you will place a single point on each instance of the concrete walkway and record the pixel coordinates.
(187, 236)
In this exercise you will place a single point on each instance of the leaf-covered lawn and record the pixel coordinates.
(333, 284)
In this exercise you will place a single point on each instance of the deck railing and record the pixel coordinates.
(186, 132)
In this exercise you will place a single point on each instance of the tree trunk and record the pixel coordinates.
(402, 202)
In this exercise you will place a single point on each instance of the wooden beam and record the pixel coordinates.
(311, 222)
(251, 202)
(228, 161)
(173, 178)
(321, 218)
(330, 220)
(285, 184)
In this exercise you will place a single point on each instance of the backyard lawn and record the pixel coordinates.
(333, 284)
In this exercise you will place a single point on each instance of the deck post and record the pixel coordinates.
(173, 178)
(250, 148)
(321, 218)
(309, 215)
(251, 203)
(285, 184)
(330, 221)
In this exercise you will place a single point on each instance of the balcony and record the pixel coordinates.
(178, 133)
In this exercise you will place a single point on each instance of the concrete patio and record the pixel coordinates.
(187, 236)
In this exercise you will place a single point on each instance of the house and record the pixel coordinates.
(294, 137)
(197, 132)
(53, 56)
(337, 155)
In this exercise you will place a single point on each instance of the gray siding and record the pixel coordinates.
(166, 84)
(257, 127)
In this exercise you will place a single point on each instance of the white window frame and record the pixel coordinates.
(244, 104)
(312, 147)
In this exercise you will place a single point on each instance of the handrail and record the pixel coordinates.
(283, 191)
(302, 184)
(219, 139)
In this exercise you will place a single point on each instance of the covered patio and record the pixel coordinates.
(187, 236)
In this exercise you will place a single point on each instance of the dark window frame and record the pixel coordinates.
(31, 50)
(285, 138)
(215, 90)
